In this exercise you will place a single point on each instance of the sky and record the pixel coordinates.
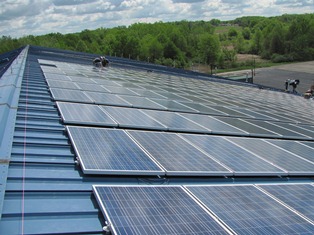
(19, 18)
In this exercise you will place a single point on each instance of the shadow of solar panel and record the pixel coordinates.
(281, 158)
(87, 114)
(154, 210)
(69, 95)
(175, 122)
(134, 118)
(297, 196)
(110, 151)
(107, 99)
(213, 125)
(177, 156)
(240, 161)
(247, 210)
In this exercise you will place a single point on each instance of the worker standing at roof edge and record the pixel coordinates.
(293, 83)
(101, 61)
(309, 93)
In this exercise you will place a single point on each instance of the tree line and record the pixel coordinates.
(285, 38)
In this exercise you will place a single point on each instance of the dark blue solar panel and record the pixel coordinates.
(154, 210)
(298, 196)
(247, 210)
(110, 151)
(176, 155)
(236, 158)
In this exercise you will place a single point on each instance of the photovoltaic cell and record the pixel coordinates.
(298, 196)
(247, 210)
(132, 117)
(154, 210)
(237, 159)
(110, 151)
(74, 113)
(69, 95)
(281, 158)
(177, 156)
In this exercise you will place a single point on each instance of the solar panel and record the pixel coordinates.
(177, 156)
(131, 117)
(254, 130)
(141, 102)
(70, 95)
(62, 84)
(176, 122)
(294, 147)
(173, 105)
(110, 151)
(213, 125)
(235, 158)
(54, 76)
(247, 210)
(73, 113)
(107, 99)
(297, 129)
(202, 108)
(279, 157)
(297, 196)
(278, 128)
(91, 87)
(154, 210)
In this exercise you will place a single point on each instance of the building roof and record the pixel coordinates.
(188, 131)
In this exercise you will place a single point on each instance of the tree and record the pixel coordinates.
(209, 48)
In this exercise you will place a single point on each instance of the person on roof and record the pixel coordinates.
(309, 93)
(293, 84)
(101, 61)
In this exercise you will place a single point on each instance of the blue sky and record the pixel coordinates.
(37, 17)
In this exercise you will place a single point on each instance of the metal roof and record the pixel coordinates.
(42, 189)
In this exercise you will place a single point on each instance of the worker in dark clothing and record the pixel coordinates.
(293, 84)
(101, 61)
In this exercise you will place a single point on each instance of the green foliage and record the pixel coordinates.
(280, 39)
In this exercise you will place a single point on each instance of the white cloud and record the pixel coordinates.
(24, 17)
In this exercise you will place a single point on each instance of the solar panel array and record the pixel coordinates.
(220, 209)
(159, 103)
(138, 123)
